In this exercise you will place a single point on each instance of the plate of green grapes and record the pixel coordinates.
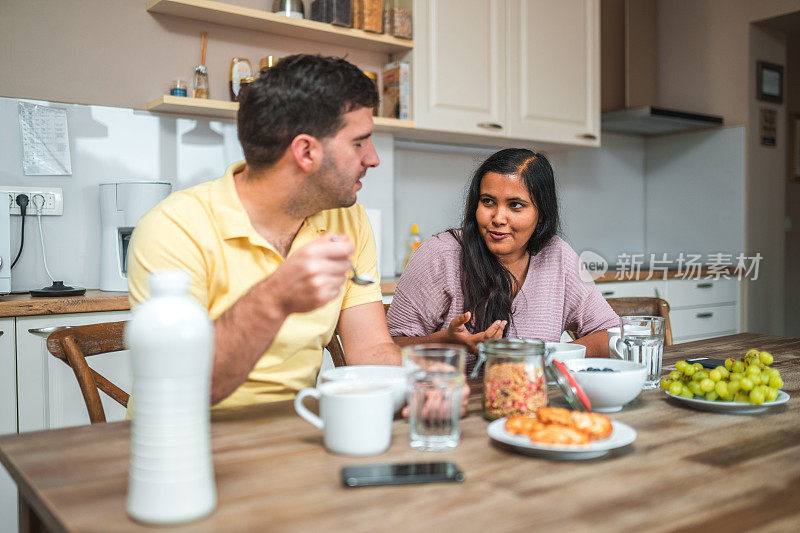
(742, 386)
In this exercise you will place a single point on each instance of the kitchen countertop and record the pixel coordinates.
(93, 301)
(96, 300)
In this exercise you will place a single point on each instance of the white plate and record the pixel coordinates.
(731, 407)
(622, 435)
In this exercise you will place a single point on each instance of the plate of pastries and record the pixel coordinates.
(559, 433)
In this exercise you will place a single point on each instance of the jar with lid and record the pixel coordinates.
(178, 88)
(321, 10)
(398, 18)
(370, 15)
(514, 380)
(244, 83)
(240, 68)
(342, 13)
(373, 77)
(289, 8)
(267, 63)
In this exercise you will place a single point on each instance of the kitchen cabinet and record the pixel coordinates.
(493, 73)
(460, 66)
(553, 90)
(519, 69)
(48, 394)
(703, 308)
(8, 420)
(699, 308)
(630, 289)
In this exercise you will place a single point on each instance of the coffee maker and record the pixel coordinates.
(122, 204)
(5, 246)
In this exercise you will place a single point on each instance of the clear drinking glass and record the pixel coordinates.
(643, 342)
(436, 378)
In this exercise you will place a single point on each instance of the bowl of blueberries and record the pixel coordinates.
(609, 383)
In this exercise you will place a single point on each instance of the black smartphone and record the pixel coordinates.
(400, 474)
(707, 362)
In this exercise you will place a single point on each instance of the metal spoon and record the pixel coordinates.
(360, 280)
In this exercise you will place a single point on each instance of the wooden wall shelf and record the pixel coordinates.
(221, 109)
(256, 19)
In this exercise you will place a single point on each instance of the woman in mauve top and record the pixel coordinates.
(505, 272)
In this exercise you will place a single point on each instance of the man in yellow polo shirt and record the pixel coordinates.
(269, 245)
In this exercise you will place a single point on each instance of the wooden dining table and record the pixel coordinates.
(687, 470)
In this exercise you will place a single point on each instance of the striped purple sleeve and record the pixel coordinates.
(423, 296)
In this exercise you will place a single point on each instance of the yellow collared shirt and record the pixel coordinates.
(205, 232)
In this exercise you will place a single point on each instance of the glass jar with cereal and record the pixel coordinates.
(514, 380)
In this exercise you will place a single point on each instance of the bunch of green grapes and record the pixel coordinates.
(750, 380)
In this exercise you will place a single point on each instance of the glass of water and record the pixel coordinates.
(435, 383)
(643, 342)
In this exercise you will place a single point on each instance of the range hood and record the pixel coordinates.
(649, 120)
(630, 73)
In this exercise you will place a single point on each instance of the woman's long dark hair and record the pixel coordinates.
(488, 287)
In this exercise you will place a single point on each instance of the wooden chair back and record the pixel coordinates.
(335, 349)
(73, 344)
(644, 306)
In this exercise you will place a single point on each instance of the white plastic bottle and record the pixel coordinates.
(171, 340)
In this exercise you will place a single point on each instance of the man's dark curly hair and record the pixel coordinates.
(301, 94)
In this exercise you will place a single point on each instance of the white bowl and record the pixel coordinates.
(378, 374)
(608, 391)
(563, 351)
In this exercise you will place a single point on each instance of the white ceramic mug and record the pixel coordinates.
(355, 416)
(615, 346)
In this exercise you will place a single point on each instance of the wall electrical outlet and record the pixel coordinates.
(53, 199)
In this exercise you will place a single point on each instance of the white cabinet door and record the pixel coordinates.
(553, 71)
(629, 289)
(460, 65)
(8, 377)
(704, 322)
(690, 292)
(8, 420)
(48, 392)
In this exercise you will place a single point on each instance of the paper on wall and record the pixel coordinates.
(45, 140)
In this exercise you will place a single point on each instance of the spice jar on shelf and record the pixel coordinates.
(244, 83)
(267, 63)
(372, 15)
(289, 8)
(240, 68)
(200, 89)
(321, 10)
(178, 88)
(342, 13)
(398, 18)
(373, 77)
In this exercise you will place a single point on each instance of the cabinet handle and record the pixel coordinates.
(490, 125)
(44, 332)
(588, 136)
(607, 293)
(704, 315)
(704, 285)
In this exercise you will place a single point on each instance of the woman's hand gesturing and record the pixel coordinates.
(457, 332)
